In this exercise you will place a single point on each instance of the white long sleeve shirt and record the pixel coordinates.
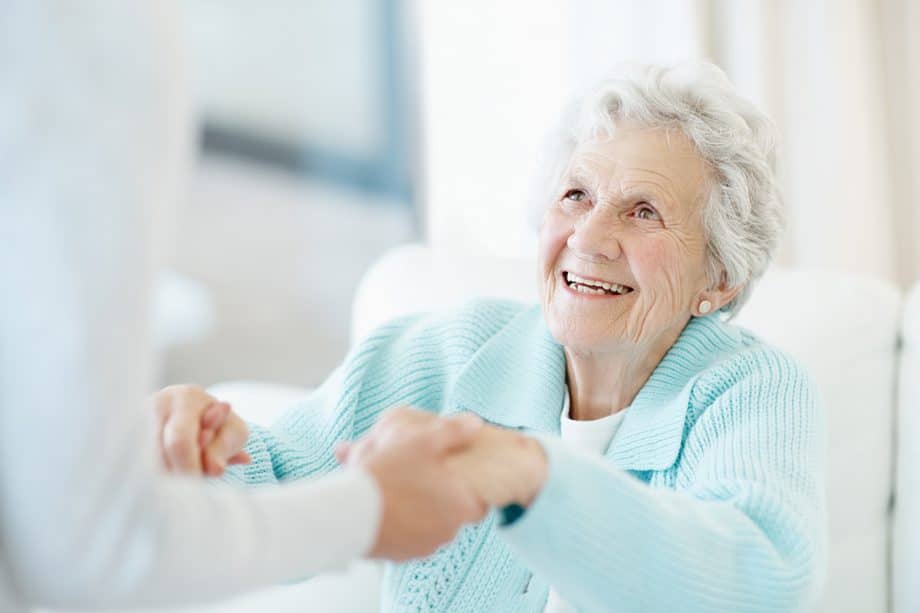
(86, 518)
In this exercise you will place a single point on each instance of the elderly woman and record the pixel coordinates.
(675, 462)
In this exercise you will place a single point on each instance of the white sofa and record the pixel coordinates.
(844, 328)
(906, 533)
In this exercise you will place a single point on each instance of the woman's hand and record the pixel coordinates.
(424, 502)
(502, 466)
(499, 466)
(196, 433)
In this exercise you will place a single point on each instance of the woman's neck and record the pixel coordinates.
(601, 384)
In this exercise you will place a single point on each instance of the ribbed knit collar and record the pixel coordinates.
(517, 379)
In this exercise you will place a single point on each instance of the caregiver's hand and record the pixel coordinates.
(424, 504)
(500, 466)
(196, 433)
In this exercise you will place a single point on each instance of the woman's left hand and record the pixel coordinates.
(196, 433)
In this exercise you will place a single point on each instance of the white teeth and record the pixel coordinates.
(586, 285)
(588, 290)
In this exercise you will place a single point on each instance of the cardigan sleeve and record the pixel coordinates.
(407, 361)
(743, 529)
(301, 443)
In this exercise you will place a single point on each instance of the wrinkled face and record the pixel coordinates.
(622, 248)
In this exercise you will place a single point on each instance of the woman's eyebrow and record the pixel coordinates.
(577, 176)
(660, 193)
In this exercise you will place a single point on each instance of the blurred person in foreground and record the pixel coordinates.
(88, 155)
(673, 461)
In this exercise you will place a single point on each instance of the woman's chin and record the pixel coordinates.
(573, 334)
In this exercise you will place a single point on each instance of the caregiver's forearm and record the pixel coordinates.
(147, 540)
(85, 518)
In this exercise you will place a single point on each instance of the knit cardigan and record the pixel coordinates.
(709, 498)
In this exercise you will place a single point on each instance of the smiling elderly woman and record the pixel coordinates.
(678, 459)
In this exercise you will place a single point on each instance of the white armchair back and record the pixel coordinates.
(906, 533)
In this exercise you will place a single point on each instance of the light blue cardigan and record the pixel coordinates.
(710, 497)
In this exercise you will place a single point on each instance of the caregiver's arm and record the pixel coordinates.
(743, 531)
(86, 520)
(85, 517)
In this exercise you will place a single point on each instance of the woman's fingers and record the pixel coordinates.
(186, 420)
(205, 438)
(211, 466)
(240, 458)
(502, 466)
(180, 442)
(227, 443)
(215, 415)
(403, 425)
(214, 468)
(211, 421)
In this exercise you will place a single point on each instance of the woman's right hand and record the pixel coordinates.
(196, 433)
(502, 466)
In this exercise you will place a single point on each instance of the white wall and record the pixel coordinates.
(281, 257)
(494, 76)
(839, 78)
(488, 77)
(295, 70)
(901, 24)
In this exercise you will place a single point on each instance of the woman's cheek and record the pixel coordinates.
(559, 225)
(656, 268)
(550, 233)
(552, 240)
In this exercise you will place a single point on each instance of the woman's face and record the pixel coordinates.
(627, 214)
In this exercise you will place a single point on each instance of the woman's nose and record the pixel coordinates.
(595, 236)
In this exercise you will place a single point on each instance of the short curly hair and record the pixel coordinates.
(743, 218)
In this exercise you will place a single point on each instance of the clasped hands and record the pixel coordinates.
(434, 473)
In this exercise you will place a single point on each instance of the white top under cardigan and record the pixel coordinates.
(592, 436)
(86, 520)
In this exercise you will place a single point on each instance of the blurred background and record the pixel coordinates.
(323, 133)
(288, 145)
(304, 123)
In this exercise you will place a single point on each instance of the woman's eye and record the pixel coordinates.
(646, 212)
(575, 195)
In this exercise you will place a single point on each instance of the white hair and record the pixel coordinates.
(743, 215)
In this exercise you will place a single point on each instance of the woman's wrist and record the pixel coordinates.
(502, 467)
(534, 469)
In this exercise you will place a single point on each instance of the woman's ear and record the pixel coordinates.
(711, 300)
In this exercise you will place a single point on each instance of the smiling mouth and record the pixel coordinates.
(594, 287)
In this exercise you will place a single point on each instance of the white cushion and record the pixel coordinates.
(843, 328)
(258, 402)
(906, 541)
(415, 278)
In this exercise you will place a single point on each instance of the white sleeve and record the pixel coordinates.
(85, 517)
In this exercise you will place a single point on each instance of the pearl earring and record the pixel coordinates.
(705, 307)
